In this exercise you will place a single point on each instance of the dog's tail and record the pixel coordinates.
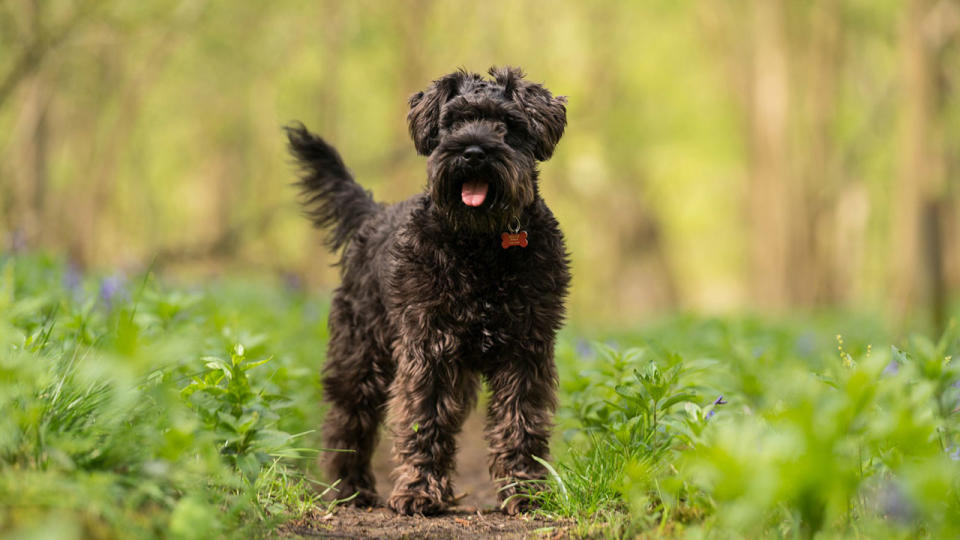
(330, 196)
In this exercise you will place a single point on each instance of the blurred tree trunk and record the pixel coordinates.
(39, 42)
(796, 248)
(30, 154)
(640, 271)
(918, 273)
(950, 95)
(37, 172)
(818, 237)
(768, 201)
(39, 102)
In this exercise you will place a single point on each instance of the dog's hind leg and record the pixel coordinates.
(356, 378)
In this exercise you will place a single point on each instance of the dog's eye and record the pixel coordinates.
(453, 123)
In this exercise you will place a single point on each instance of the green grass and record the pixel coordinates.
(815, 434)
(135, 408)
(132, 409)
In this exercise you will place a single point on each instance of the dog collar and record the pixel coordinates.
(514, 236)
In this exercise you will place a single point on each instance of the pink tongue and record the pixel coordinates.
(474, 192)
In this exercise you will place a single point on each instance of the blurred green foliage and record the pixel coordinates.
(771, 433)
(120, 416)
(130, 406)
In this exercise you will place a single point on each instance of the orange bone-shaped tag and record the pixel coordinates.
(514, 239)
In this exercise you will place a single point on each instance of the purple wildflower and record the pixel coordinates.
(18, 241)
(896, 504)
(892, 368)
(71, 279)
(112, 288)
(716, 403)
(584, 349)
(955, 454)
(292, 282)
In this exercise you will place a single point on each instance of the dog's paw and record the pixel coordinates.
(518, 504)
(517, 499)
(353, 494)
(409, 503)
(365, 497)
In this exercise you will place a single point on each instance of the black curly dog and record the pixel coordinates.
(465, 280)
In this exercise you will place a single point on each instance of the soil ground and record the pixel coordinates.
(476, 516)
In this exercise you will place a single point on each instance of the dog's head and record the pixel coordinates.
(484, 138)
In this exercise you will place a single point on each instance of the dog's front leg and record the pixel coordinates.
(519, 419)
(431, 397)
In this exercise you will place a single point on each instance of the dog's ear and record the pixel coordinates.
(546, 114)
(424, 115)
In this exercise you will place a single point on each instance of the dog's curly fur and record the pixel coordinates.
(430, 302)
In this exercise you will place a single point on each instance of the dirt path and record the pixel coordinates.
(458, 523)
(475, 517)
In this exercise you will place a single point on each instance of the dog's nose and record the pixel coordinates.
(473, 154)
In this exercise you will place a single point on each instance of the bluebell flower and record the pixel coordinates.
(292, 282)
(112, 289)
(584, 349)
(72, 279)
(896, 504)
(716, 403)
(955, 454)
(18, 241)
(892, 368)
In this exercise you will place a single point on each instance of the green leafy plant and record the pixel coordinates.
(630, 413)
(242, 417)
(763, 433)
(107, 424)
(129, 407)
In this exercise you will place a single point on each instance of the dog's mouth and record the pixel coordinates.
(474, 192)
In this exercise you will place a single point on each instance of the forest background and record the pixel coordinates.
(765, 155)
